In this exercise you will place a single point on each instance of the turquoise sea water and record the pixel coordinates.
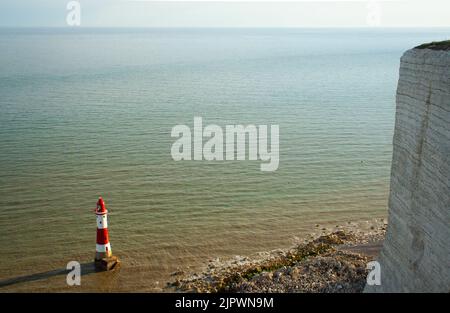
(89, 112)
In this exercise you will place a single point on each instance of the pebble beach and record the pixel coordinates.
(334, 261)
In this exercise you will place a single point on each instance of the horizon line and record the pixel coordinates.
(237, 26)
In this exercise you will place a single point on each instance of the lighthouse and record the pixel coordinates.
(104, 260)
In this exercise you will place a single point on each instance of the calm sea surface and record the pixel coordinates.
(89, 112)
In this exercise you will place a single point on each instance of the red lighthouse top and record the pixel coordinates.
(101, 208)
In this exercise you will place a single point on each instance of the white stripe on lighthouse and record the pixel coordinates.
(102, 221)
(102, 248)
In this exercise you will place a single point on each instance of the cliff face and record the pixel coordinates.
(416, 252)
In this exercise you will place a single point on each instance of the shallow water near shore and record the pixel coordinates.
(89, 112)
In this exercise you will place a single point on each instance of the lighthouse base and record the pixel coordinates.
(106, 264)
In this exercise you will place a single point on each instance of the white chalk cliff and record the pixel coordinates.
(416, 252)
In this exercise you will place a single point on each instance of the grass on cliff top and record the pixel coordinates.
(436, 45)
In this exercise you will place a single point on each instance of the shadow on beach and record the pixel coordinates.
(86, 269)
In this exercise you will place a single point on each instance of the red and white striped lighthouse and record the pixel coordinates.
(103, 247)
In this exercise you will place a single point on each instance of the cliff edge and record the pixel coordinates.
(416, 252)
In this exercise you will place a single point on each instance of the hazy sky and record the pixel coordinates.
(293, 13)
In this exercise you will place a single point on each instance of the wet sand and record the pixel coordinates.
(362, 238)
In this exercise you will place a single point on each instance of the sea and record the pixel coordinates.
(88, 112)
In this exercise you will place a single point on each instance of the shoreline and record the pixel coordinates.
(332, 262)
(324, 243)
